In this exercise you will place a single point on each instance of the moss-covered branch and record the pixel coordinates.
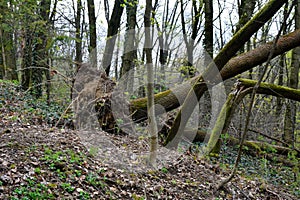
(272, 89)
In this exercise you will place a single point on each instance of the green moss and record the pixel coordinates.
(217, 130)
(142, 102)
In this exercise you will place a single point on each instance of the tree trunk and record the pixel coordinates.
(291, 109)
(26, 61)
(282, 65)
(78, 35)
(130, 52)
(40, 55)
(92, 31)
(113, 27)
(150, 91)
(190, 40)
(245, 10)
(205, 102)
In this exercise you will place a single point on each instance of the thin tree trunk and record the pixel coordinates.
(78, 48)
(150, 84)
(92, 31)
(26, 61)
(205, 102)
(290, 114)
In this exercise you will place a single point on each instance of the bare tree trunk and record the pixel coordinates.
(92, 31)
(150, 91)
(189, 40)
(78, 35)
(205, 102)
(3, 56)
(26, 61)
(130, 52)
(290, 114)
(245, 10)
(113, 27)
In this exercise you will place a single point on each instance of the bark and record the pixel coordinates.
(259, 55)
(40, 54)
(92, 32)
(208, 28)
(113, 27)
(290, 114)
(150, 88)
(130, 52)
(78, 48)
(26, 61)
(245, 10)
(190, 42)
(205, 103)
(282, 64)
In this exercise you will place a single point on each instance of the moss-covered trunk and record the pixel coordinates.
(235, 66)
(243, 88)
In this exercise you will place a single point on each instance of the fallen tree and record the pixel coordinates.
(170, 99)
(237, 65)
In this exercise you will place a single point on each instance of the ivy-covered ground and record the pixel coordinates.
(39, 160)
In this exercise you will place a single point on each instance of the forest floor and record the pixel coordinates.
(38, 161)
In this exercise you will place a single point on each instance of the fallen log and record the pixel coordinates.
(170, 99)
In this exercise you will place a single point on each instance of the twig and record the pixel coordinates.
(270, 191)
(267, 136)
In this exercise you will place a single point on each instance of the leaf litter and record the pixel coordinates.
(38, 161)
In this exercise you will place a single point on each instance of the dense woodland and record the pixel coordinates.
(149, 99)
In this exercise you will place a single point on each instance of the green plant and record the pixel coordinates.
(33, 191)
(67, 187)
(37, 170)
(84, 195)
(78, 172)
(164, 170)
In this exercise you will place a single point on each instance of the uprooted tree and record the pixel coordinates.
(228, 66)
